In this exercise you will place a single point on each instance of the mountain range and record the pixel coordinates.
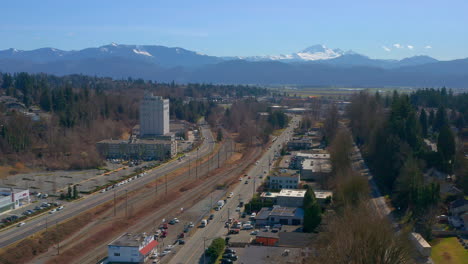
(315, 65)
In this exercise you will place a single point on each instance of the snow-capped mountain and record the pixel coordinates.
(160, 55)
(312, 53)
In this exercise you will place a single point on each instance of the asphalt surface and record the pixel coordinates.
(192, 251)
(14, 234)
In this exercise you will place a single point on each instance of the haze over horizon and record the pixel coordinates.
(399, 29)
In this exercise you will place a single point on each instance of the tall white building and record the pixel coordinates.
(154, 116)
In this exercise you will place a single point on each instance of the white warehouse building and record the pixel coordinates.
(12, 198)
(130, 248)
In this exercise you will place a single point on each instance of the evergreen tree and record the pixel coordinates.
(440, 119)
(423, 122)
(312, 211)
(431, 118)
(69, 194)
(219, 136)
(75, 192)
(446, 148)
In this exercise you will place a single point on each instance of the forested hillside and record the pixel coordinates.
(54, 122)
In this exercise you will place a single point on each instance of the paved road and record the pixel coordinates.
(193, 250)
(14, 234)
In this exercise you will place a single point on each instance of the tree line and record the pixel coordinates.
(394, 133)
(77, 111)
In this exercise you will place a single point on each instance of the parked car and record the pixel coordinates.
(229, 250)
(191, 225)
(254, 233)
(169, 247)
(211, 216)
(247, 226)
(230, 256)
(226, 261)
(21, 224)
(60, 208)
(52, 211)
(181, 242)
(231, 194)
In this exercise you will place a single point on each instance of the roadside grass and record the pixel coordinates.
(278, 132)
(448, 251)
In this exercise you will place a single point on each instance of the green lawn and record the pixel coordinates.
(448, 251)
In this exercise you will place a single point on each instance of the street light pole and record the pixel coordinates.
(126, 203)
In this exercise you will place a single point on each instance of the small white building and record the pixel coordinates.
(131, 248)
(290, 198)
(285, 179)
(12, 198)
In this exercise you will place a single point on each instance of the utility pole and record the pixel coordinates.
(204, 250)
(46, 223)
(196, 165)
(126, 203)
(253, 191)
(165, 176)
(58, 239)
(156, 189)
(114, 203)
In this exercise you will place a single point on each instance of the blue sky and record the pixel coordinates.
(377, 28)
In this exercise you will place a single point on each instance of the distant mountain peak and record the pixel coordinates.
(314, 48)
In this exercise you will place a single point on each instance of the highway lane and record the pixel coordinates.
(14, 234)
(192, 251)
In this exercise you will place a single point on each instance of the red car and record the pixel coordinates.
(163, 226)
(181, 235)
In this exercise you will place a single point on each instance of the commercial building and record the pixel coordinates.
(296, 161)
(131, 248)
(290, 198)
(154, 116)
(278, 255)
(12, 198)
(280, 215)
(294, 198)
(298, 144)
(142, 149)
(315, 169)
(287, 179)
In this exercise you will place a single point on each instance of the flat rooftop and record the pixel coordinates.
(129, 240)
(263, 254)
(287, 211)
(292, 192)
(322, 194)
(8, 190)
